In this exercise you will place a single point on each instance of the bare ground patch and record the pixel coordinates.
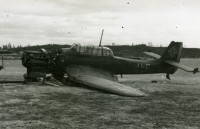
(170, 104)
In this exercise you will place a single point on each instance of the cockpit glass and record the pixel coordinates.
(92, 50)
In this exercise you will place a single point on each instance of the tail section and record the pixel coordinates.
(171, 58)
(173, 52)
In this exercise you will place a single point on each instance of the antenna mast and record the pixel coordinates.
(101, 38)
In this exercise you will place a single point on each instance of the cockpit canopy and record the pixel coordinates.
(92, 50)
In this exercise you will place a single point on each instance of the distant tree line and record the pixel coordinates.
(9, 46)
(119, 50)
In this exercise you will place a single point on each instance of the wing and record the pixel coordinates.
(100, 79)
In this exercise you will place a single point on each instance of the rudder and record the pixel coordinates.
(173, 52)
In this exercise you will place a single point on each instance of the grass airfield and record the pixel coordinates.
(171, 104)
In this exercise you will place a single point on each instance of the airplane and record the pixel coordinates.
(97, 67)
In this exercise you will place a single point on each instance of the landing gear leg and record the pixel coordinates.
(43, 80)
(168, 77)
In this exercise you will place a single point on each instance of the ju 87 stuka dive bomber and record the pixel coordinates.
(97, 67)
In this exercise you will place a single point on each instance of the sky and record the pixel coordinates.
(37, 22)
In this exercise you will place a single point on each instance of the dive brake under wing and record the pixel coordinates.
(173, 63)
(100, 79)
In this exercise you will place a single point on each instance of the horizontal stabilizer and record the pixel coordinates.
(151, 54)
(183, 67)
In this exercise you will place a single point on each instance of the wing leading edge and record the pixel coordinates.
(96, 79)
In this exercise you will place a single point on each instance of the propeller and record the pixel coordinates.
(55, 68)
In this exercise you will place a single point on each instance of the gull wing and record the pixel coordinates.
(100, 79)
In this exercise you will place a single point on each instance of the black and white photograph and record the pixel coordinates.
(99, 64)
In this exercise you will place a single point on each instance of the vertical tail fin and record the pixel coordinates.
(173, 52)
(172, 57)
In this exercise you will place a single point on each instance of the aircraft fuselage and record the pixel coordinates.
(114, 64)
